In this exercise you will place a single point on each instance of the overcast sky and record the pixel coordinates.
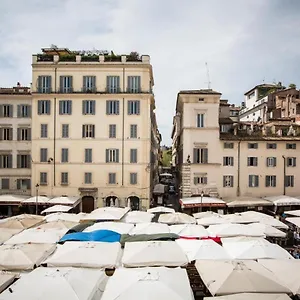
(244, 42)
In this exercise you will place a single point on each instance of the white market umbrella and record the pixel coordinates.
(153, 253)
(59, 224)
(21, 221)
(283, 200)
(251, 296)
(189, 230)
(56, 208)
(106, 213)
(6, 279)
(64, 200)
(36, 200)
(137, 217)
(205, 214)
(256, 216)
(256, 249)
(287, 271)
(268, 230)
(231, 277)
(202, 249)
(160, 209)
(243, 239)
(295, 213)
(237, 218)
(158, 283)
(149, 228)
(7, 233)
(274, 222)
(24, 256)
(58, 283)
(176, 218)
(121, 228)
(294, 220)
(213, 220)
(63, 217)
(86, 255)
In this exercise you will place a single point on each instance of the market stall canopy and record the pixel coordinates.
(206, 214)
(294, 220)
(160, 209)
(6, 279)
(256, 249)
(189, 230)
(36, 200)
(213, 220)
(38, 236)
(127, 238)
(243, 239)
(202, 249)
(166, 175)
(295, 213)
(256, 216)
(248, 202)
(149, 228)
(232, 277)
(58, 283)
(86, 255)
(59, 224)
(65, 200)
(137, 216)
(237, 218)
(12, 199)
(106, 213)
(153, 253)
(62, 217)
(283, 200)
(251, 296)
(7, 233)
(158, 283)
(201, 202)
(24, 256)
(287, 271)
(160, 189)
(21, 221)
(268, 230)
(176, 218)
(121, 228)
(56, 208)
(274, 222)
(93, 236)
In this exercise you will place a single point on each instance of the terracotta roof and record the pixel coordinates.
(200, 92)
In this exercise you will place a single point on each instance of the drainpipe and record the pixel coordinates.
(54, 128)
(284, 173)
(123, 129)
(238, 192)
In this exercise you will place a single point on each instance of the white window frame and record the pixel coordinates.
(254, 182)
(271, 161)
(228, 181)
(291, 161)
(289, 181)
(228, 161)
(272, 181)
(200, 120)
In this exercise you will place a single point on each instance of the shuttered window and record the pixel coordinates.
(88, 155)
(89, 84)
(23, 161)
(112, 131)
(228, 160)
(6, 161)
(64, 155)
(227, 181)
(24, 134)
(134, 84)
(65, 107)
(44, 107)
(66, 84)
(133, 131)
(270, 181)
(271, 161)
(289, 181)
(65, 130)
(112, 178)
(23, 184)
(6, 111)
(252, 145)
(113, 84)
(43, 155)
(200, 156)
(133, 178)
(112, 107)
(291, 161)
(200, 180)
(64, 178)
(290, 146)
(133, 107)
(228, 145)
(252, 161)
(5, 183)
(133, 156)
(88, 131)
(44, 130)
(112, 155)
(88, 178)
(44, 84)
(43, 178)
(88, 107)
(200, 120)
(24, 111)
(6, 134)
(253, 181)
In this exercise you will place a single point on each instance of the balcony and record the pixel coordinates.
(90, 58)
(45, 58)
(66, 58)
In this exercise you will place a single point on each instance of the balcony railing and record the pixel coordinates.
(45, 57)
(90, 58)
(71, 58)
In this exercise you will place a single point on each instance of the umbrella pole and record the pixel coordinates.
(36, 198)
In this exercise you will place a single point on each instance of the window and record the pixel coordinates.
(66, 84)
(112, 131)
(252, 161)
(253, 180)
(88, 131)
(113, 84)
(64, 155)
(227, 181)
(200, 180)
(43, 178)
(23, 184)
(88, 178)
(24, 134)
(252, 145)
(289, 181)
(23, 161)
(271, 161)
(5, 183)
(270, 181)
(112, 155)
(65, 107)
(200, 156)
(271, 146)
(228, 145)
(225, 128)
(290, 146)
(201, 99)
(134, 84)
(133, 156)
(133, 131)
(6, 111)
(6, 134)
(5, 161)
(227, 161)
(112, 107)
(65, 130)
(112, 178)
(200, 120)
(133, 107)
(88, 155)
(88, 107)
(233, 113)
(291, 161)
(43, 155)
(44, 107)
(44, 130)
(24, 111)
(64, 178)
(89, 84)
(44, 84)
(133, 178)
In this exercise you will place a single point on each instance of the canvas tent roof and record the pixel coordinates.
(283, 200)
(189, 230)
(176, 218)
(160, 209)
(137, 217)
(149, 228)
(295, 213)
(232, 277)
(251, 296)
(205, 214)
(63, 217)
(294, 220)
(7, 233)
(56, 208)
(106, 213)
(86, 255)
(237, 218)
(59, 224)
(268, 230)
(119, 227)
(36, 200)
(12, 199)
(201, 201)
(6, 279)
(21, 221)
(139, 283)
(58, 283)
(153, 253)
(248, 201)
(213, 220)
(24, 256)
(65, 200)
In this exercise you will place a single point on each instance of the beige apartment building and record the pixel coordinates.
(228, 159)
(94, 127)
(15, 140)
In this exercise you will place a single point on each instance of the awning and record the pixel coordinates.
(65, 200)
(36, 200)
(283, 200)
(12, 199)
(248, 201)
(201, 202)
(56, 208)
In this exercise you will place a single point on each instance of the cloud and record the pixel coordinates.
(244, 42)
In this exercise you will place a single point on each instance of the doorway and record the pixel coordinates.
(88, 204)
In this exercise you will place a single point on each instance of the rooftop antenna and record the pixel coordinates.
(207, 76)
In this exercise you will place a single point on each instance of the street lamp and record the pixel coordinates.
(201, 195)
(284, 171)
(36, 197)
